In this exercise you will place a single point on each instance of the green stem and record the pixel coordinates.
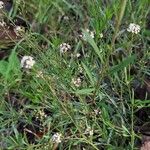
(132, 121)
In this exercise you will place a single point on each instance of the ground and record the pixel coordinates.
(74, 74)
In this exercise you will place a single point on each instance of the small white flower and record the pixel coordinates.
(81, 35)
(88, 131)
(64, 47)
(76, 82)
(19, 30)
(2, 23)
(91, 33)
(80, 69)
(97, 112)
(101, 35)
(78, 55)
(1, 4)
(27, 62)
(66, 18)
(40, 114)
(134, 28)
(56, 138)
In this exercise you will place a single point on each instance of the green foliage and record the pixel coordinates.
(11, 67)
(93, 44)
(125, 63)
(85, 91)
(39, 102)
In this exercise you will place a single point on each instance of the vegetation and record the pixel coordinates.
(86, 85)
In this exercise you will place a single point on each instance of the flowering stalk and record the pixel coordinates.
(118, 21)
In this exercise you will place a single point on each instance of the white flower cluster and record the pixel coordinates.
(97, 112)
(133, 28)
(64, 47)
(76, 82)
(89, 131)
(78, 55)
(19, 30)
(1, 4)
(27, 62)
(2, 23)
(66, 18)
(56, 138)
(101, 35)
(91, 33)
(80, 69)
(40, 114)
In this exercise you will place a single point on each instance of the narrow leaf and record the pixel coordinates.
(3, 67)
(88, 72)
(93, 44)
(126, 62)
(87, 91)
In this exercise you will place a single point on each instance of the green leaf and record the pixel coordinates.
(147, 33)
(88, 72)
(87, 91)
(129, 60)
(3, 67)
(10, 68)
(93, 44)
(13, 61)
(13, 65)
